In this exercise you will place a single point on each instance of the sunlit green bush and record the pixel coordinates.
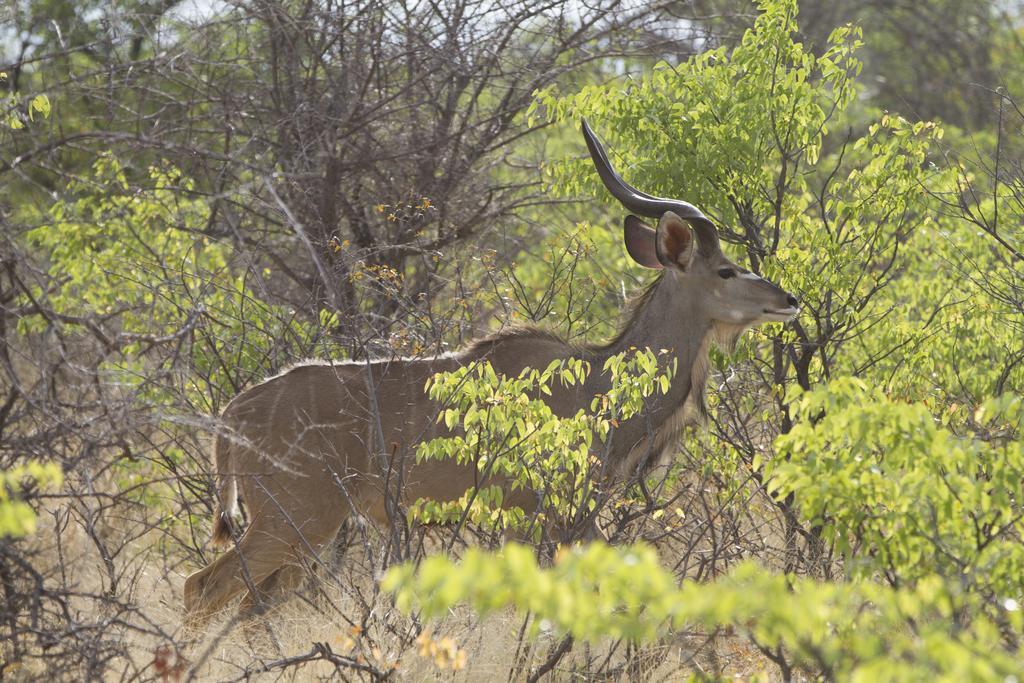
(860, 631)
(901, 496)
(18, 518)
(509, 433)
(928, 523)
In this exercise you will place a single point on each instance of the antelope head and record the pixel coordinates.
(685, 244)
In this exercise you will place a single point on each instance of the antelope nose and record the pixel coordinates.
(792, 300)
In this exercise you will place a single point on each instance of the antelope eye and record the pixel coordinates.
(726, 273)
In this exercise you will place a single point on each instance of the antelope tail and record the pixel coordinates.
(224, 525)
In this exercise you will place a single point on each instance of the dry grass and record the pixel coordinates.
(124, 566)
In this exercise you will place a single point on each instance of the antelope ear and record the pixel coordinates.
(641, 242)
(675, 242)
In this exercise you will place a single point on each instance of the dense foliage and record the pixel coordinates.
(508, 431)
(192, 200)
(928, 525)
(908, 476)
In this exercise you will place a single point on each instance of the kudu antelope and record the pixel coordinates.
(322, 441)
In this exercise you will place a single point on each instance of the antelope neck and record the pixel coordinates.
(669, 319)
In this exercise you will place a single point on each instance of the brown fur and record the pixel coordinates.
(223, 529)
(321, 442)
